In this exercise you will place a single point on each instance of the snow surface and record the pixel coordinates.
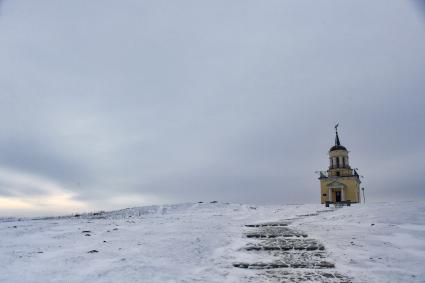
(379, 242)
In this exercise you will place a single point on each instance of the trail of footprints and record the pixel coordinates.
(287, 255)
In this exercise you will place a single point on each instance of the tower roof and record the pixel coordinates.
(337, 145)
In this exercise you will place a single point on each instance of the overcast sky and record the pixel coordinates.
(110, 104)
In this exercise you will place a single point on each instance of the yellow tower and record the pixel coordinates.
(340, 183)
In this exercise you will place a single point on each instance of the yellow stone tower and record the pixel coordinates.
(340, 183)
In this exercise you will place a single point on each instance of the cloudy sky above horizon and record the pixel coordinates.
(110, 104)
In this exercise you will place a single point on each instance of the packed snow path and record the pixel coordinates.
(284, 254)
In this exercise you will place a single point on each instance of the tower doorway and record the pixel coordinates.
(337, 196)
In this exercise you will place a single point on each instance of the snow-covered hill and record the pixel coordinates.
(380, 242)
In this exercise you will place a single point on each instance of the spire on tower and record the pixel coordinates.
(337, 142)
(337, 145)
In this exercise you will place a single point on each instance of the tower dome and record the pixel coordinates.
(337, 145)
(338, 156)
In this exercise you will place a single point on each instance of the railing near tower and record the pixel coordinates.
(338, 204)
(325, 174)
(322, 174)
(339, 167)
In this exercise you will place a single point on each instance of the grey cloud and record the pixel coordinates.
(13, 190)
(30, 155)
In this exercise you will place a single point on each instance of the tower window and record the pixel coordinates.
(337, 162)
(338, 173)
